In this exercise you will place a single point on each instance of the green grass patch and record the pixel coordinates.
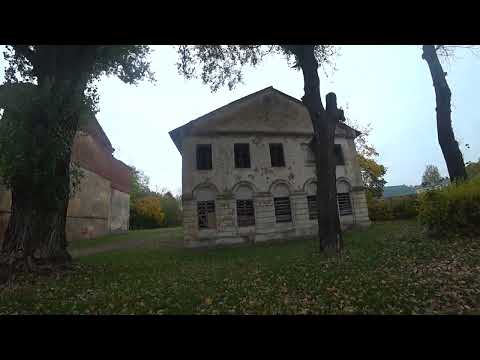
(161, 235)
(390, 268)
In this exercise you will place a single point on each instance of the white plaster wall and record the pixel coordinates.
(224, 176)
(119, 211)
(269, 117)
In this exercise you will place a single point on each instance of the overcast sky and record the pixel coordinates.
(387, 86)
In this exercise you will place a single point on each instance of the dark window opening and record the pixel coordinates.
(312, 207)
(276, 155)
(339, 155)
(344, 204)
(204, 157)
(242, 155)
(245, 213)
(206, 214)
(283, 210)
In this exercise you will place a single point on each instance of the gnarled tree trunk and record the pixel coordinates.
(35, 237)
(324, 123)
(446, 138)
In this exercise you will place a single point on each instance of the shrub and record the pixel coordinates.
(452, 210)
(147, 213)
(171, 208)
(405, 207)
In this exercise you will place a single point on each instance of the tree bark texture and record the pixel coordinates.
(35, 237)
(324, 123)
(446, 138)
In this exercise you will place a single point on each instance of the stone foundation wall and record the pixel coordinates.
(360, 208)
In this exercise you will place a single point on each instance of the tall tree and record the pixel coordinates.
(446, 138)
(223, 64)
(49, 91)
(431, 176)
(372, 176)
(371, 171)
(473, 169)
(140, 185)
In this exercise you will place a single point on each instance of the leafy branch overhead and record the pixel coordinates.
(48, 94)
(220, 65)
(371, 171)
(34, 63)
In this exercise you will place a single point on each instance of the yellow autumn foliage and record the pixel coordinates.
(148, 212)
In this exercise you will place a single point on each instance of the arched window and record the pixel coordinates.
(245, 208)
(343, 198)
(205, 197)
(281, 200)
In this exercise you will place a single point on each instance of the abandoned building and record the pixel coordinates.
(101, 203)
(248, 174)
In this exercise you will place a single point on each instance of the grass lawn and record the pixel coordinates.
(156, 238)
(390, 268)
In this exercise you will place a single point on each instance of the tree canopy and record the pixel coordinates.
(473, 169)
(223, 65)
(371, 171)
(431, 176)
(49, 91)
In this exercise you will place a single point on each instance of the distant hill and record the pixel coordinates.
(398, 190)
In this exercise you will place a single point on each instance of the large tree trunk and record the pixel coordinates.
(324, 124)
(450, 149)
(35, 237)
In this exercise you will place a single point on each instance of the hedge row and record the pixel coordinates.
(452, 210)
(405, 207)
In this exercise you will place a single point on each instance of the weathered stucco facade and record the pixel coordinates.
(260, 119)
(100, 204)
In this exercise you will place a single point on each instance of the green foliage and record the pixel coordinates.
(49, 91)
(453, 210)
(372, 175)
(431, 176)
(473, 169)
(396, 208)
(76, 176)
(220, 65)
(140, 185)
(389, 268)
(33, 142)
(170, 206)
(372, 172)
(165, 202)
(147, 213)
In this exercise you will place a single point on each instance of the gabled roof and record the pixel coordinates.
(179, 133)
(91, 126)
